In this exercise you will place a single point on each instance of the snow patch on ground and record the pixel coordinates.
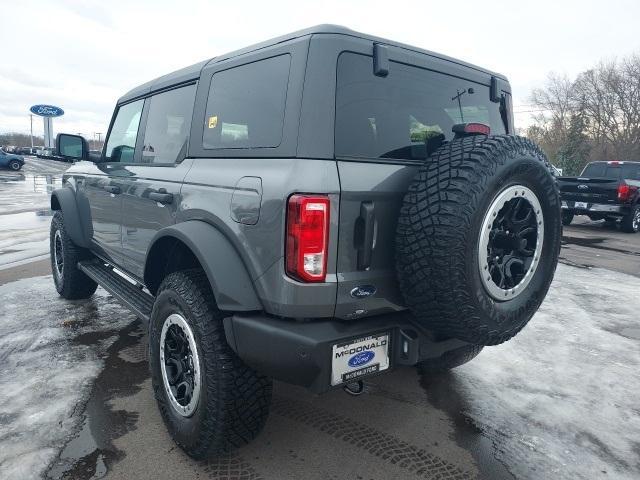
(47, 372)
(562, 399)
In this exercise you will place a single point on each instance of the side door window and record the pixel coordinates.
(153, 181)
(124, 132)
(167, 126)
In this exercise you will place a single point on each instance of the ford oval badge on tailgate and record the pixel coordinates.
(363, 291)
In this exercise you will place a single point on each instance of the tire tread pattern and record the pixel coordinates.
(436, 220)
(237, 398)
(75, 283)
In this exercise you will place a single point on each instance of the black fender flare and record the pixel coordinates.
(64, 199)
(230, 282)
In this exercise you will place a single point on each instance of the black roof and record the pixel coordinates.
(193, 72)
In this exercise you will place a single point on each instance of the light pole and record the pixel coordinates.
(31, 120)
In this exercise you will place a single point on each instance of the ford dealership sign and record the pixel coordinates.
(47, 110)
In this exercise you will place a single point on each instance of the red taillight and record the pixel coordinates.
(307, 237)
(623, 192)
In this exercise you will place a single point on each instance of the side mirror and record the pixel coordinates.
(72, 147)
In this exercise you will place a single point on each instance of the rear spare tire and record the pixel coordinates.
(478, 238)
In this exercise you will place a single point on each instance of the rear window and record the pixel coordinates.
(406, 113)
(613, 171)
(246, 105)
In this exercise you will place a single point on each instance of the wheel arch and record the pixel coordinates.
(197, 243)
(64, 200)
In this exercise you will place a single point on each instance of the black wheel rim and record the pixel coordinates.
(510, 242)
(180, 365)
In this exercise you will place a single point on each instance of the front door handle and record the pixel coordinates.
(112, 189)
(161, 196)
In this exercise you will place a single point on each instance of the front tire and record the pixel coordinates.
(631, 222)
(210, 401)
(71, 282)
(15, 165)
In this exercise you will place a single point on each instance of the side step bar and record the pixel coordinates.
(130, 295)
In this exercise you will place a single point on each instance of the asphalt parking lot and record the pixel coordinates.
(559, 401)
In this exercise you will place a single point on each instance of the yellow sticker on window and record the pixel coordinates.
(213, 121)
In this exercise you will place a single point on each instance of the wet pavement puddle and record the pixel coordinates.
(90, 451)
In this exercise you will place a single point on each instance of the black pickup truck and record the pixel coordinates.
(604, 190)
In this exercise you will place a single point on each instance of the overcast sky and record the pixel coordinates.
(82, 55)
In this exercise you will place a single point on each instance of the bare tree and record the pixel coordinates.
(610, 97)
(597, 115)
(557, 104)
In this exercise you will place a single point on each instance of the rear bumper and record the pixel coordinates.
(594, 207)
(300, 352)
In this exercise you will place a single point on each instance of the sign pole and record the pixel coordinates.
(48, 132)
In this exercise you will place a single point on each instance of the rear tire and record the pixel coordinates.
(478, 238)
(71, 282)
(448, 360)
(212, 402)
(567, 217)
(631, 223)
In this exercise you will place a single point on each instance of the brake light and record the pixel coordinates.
(477, 128)
(623, 192)
(474, 128)
(307, 237)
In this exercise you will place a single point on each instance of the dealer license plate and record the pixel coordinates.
(581, 205)
(357, 358)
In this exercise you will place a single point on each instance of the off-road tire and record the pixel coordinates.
(234, 399)
(15, 165)
(438, 235)
(448, 360)
(72, 283)
(567, 217)
(631, 223)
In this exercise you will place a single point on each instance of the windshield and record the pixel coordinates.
(614, 171)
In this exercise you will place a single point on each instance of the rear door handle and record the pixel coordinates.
(112, 189)
(161, 196)
(365, 249)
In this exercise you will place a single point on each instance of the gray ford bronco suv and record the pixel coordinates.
(317, 209)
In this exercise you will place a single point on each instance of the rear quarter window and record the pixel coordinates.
(399, 115)
(246, 105)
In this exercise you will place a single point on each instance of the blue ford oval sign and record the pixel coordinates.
(361, 358)
(47, 111)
